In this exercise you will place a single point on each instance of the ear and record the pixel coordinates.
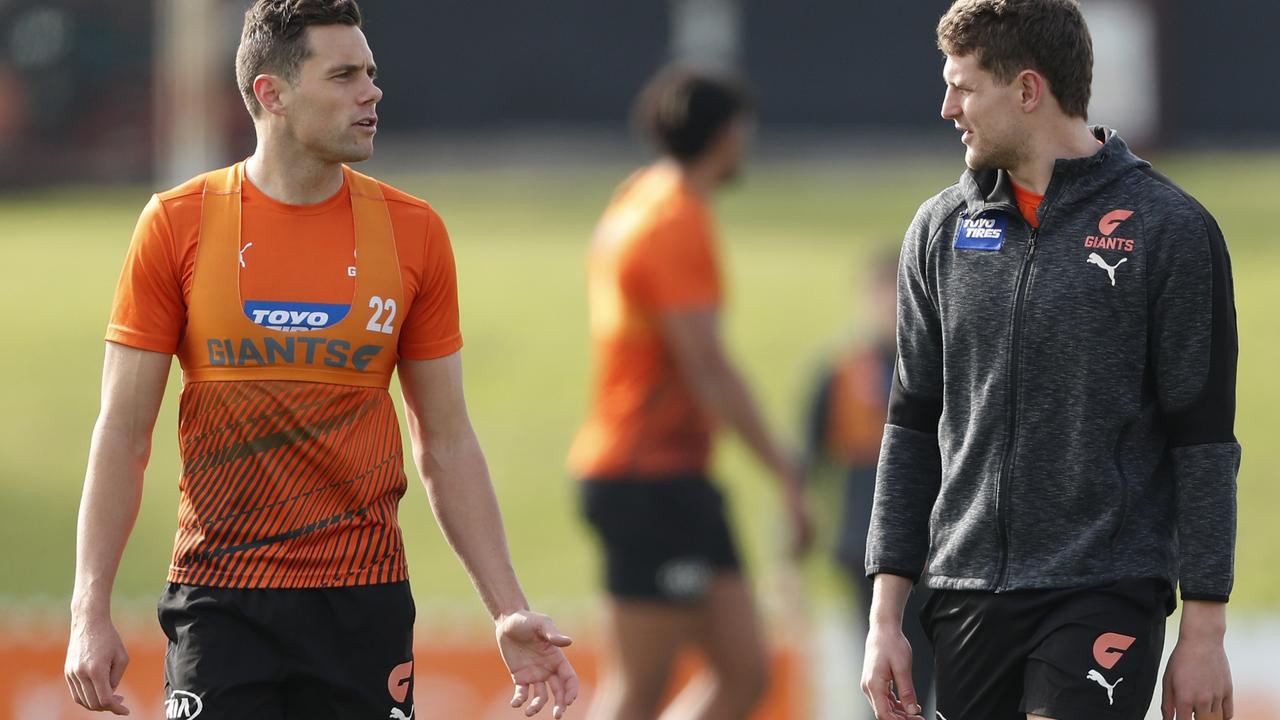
(271, 91)
(1032, 88)
(727, 142)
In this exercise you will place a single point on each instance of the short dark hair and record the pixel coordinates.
(683, 109)
(1009, 36)
(274, 38)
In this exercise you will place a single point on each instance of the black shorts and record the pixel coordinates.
(662, 539)
(1072, 654)
(286, 654)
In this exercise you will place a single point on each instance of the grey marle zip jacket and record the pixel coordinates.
(1063, 403)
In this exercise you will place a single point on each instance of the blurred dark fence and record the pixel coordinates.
(77, 97)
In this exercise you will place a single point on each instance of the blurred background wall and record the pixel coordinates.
(126, 90)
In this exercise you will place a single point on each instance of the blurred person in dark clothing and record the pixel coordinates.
(844, 423)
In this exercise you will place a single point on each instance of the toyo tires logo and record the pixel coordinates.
(295, 316)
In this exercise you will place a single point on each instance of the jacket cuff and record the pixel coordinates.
(1206, 518)
(907, 480)
(873, 570)
(1204, 596)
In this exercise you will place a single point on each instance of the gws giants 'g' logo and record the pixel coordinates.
(182, 705)
(1109, 222)
(398, 683)
(1110, 647)
(1105, 239)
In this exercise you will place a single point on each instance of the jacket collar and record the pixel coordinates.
(1072, 178)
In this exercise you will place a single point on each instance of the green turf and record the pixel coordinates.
(793, 237)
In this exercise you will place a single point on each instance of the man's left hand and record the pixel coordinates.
(530, 646)
(1197, 681)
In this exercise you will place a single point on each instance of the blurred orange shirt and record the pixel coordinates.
(653, 253)
(292, 480)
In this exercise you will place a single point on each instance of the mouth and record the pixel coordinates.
(370, 124)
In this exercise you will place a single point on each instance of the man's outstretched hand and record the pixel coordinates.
(530, 646)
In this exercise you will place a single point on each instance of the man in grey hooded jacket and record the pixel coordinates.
(1059, 453)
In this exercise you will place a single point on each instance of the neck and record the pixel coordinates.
(1064, 141)
(698, 174)
(285, 172)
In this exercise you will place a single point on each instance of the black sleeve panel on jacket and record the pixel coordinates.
(909, 472)
(1194, 343)
(912, 411)
(1193, 353)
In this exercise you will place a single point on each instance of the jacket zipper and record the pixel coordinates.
(1015, 352)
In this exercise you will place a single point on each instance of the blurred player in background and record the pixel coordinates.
(1060, 452)
(843, 429)
(663, 381)
(290, 288)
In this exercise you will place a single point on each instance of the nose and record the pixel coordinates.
(372, 94)
(950, 105)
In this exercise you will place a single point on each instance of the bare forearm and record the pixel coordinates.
(108, 509)
(1203, 620)
(888, 600)
(727, 398)
(462, 498)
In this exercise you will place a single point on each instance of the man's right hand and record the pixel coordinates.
(799, 516)
(96, 660)
(887, 666)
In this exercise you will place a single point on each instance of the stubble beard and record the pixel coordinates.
(336, 150)
(1004, 156)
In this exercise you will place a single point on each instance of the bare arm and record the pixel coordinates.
(451, 463)
(1197, 680)
(694, 338)
(700, 357)
(886, 669)
(453, 470)
(133, 384)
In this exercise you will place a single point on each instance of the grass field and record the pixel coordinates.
(793, 236)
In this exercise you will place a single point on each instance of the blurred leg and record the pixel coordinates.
(641, 642)
(736, 676)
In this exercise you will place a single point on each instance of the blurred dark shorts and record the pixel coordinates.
(663, 538)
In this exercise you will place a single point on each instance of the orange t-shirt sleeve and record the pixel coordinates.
(149, 312)
(431, 328)
(675, 268)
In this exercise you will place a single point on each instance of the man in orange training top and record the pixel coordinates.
(662, 377)
(290, 287)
